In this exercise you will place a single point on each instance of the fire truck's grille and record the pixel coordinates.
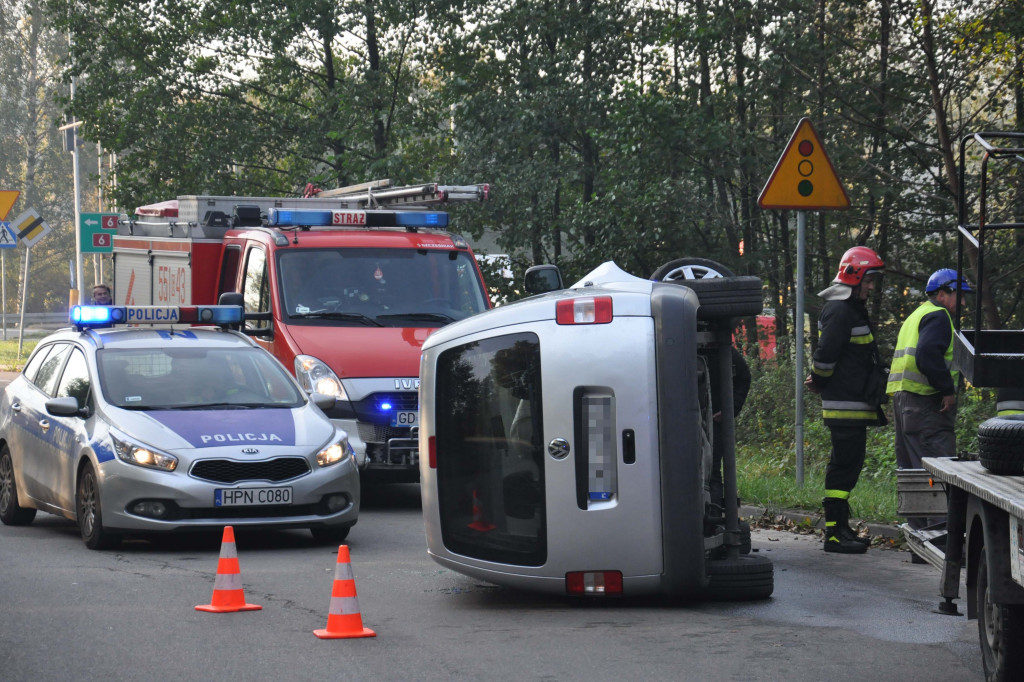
(229, 471)
(370, 433)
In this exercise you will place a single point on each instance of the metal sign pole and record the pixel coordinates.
(24, 293)
(3, 288)
(798, 324)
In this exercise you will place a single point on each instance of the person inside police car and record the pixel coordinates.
(101, 294)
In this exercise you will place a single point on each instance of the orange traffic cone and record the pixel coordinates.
(228, 596)
(478, 516)
(343, 619)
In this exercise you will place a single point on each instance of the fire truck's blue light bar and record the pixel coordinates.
(282, 217)
(102, 316)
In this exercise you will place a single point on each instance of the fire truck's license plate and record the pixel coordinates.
(405, 418)
(243, 497)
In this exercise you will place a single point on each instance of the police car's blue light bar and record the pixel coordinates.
(102, 316)
(284, 217)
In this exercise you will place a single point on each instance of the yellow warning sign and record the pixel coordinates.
(7, 199)
(804, 178)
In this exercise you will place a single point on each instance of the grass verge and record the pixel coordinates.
(10, 361)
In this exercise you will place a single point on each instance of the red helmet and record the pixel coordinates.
(856, 263)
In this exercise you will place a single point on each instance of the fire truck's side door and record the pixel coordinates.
(256, 287)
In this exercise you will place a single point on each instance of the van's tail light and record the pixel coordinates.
(432, 451)
(589, 310)
(593, 582)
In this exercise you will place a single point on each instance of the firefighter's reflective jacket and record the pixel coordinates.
(846, 366)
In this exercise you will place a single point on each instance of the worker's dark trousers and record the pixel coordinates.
(848, 446)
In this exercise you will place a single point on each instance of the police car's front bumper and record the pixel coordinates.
(144, 500)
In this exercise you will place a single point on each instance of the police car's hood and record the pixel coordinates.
(267, 429)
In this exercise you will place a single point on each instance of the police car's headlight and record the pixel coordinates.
(315, 376)
(140, 455)
(335, 452)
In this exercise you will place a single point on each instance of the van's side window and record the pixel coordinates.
(256, 290)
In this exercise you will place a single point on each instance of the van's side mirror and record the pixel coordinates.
(541, 279)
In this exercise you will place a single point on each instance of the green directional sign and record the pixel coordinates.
(97, 232)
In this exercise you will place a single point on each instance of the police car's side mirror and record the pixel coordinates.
(323, 401)
(65, 407)
(541, 279)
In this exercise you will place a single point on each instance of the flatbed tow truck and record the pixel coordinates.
(984, 496)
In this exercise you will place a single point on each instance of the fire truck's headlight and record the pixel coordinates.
(315, 376)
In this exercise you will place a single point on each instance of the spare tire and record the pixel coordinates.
(721, 294)
(744, 578)
(1001, 444)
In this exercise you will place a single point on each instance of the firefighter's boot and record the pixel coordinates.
(836, 518)
(846, 531)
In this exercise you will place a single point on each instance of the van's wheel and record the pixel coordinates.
(721, 294)
(90, 511)
(746, 578)
(11, 513)
(690, 268)
(1000, 629)
(1001, 444)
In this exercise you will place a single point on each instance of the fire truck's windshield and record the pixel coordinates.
(378, 287)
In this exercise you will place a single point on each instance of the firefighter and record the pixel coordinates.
(922, 380)
(847, 372)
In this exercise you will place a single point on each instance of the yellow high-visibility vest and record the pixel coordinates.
(904, 374)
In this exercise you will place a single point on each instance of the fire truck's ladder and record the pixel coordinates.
(380, 193)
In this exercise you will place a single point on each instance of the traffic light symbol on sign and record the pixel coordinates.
(804, 178)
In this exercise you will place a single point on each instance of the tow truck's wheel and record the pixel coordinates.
(11, 513)
(745, 578)
(721, 294)
(90, 512)
(1001, 444)
(1000, 629)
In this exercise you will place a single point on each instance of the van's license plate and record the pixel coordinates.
(245, 497)
(405, 418)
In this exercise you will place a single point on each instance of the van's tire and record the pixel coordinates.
(720, 292)
(746, 578)
(690, 268)
(1001, 444)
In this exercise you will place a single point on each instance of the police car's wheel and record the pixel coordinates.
(1000, 631)
(330, 535)
(1001, 444)
(11, 513)
(90, 513)
(745, 578)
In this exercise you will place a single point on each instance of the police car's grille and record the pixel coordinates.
(229, 471)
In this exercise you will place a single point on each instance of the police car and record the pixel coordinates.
(169, 427)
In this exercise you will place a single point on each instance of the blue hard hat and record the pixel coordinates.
(946, 278)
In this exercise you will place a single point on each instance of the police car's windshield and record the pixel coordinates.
(379, 287)
(194, 378)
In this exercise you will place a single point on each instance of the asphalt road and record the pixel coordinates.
(128, 614)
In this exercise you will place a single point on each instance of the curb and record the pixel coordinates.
(813, 520)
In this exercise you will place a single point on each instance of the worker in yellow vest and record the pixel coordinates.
(848, 374)
(922, 380)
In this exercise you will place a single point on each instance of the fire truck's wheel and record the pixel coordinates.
(746, 578)
(1001, 444)
(331, 536)
(690, 268)
(1000, 630)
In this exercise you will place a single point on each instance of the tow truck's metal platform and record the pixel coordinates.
(1005, 492)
